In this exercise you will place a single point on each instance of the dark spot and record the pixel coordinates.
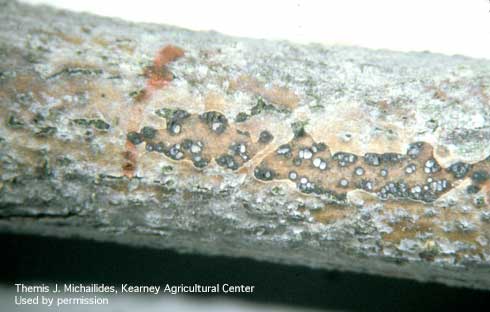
(159, 147)
(472, 189)
(134, 137)
(391, 158)
(174, 127)
(227, 161)
(459, 169)
(366, 185)
(100, 124)
(479, 176)
(259, 107)
(344, 159)
(37, 118)
(415, 149)
(46, 131)
(174, 152)
(148, 133)
(297, 161)
(359, 171)
(15, 122)
(265, 137)
(150, 147)
(89, 135)
(431, 166)
(186, 144)
(244, 133)
(241, 117)
(180, 114)
(428, 255)
(81, 122)
(344, 183)
(167, 169)
(320, 146)
(299, 128)
(396, 189)
(428, 196)
(200, 162)
(169, 114)
(215, 121)
(262, 106)
(372, 159)
(284, 150)
(479, 201)
(264, 174)
(239, 149)
(411, 168)
(76, 71)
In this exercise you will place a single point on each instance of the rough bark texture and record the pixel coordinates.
(325, 156)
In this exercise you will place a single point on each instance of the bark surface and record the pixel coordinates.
(324, 156)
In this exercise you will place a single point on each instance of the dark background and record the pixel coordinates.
(40, 259)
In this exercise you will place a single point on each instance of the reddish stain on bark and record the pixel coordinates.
(159, 76)
(130, 156)
(168, 54)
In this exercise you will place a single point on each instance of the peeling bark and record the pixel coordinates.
(325, 156)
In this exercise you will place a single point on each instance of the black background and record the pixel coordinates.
(40, 259)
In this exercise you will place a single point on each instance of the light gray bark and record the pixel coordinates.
(77, 91)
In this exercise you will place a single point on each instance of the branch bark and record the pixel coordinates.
(325, 156)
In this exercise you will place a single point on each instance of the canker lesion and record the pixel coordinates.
(415, 175)
(199, 138)
(210, 138)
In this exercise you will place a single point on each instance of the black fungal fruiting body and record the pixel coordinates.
(480, 176)
(46, 131)
(459, 170)
(344, 159)
(472, 189)
(159, 147)
(172, 114)
(391, 158)
(264, 174)
(215, 121)
(227, 161)
(150, 147)
(174, 118)
(318, 147)
(431, 166)
(175, 152)
(366, 185)
(100, 124)
(396, 189)
(262, 106)
(383, 172)
(239, 149)
(241, 117)
(199, 162)
(284, 150)
(134, 137)
(415, 149)
(265, 137)
(299, 128)
(372, 159)
(148, 133)
(14, 122)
